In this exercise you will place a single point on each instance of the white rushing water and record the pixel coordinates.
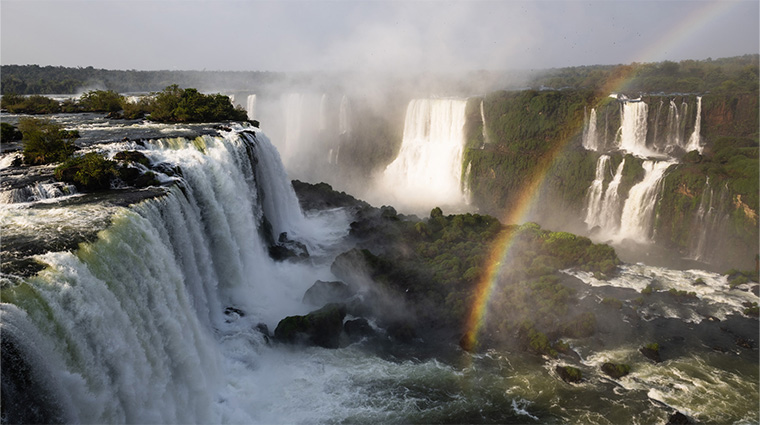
(428, 169)
(590, 137)
(636, 220)
(603, 209)
(132, 327)
(633, 129)
(251, 106)
(695, 141)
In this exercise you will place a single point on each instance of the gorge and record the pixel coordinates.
(162, 304)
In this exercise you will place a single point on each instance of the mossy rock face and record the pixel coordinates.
(132, 156)
(616, 371)
(321, 327)
(569, 374)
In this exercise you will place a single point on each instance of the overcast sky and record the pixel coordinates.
(377, 35)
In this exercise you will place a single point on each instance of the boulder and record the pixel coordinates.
(322, 293)
(679, 418)
(132, 156)
(287, 248)
(357, 329)
(402, 332)
(616, 371)
(233, 314)
(569, 374)
(320, 327)
(652, 352)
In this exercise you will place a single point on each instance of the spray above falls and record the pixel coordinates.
(428, 169)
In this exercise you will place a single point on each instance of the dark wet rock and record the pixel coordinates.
(286, 249)
(569, 374)
(755, 290)
(402, 331)
(322, 293)
(254, 123)
(679, 418)
(263, 329)
(616, 371)
(745, 343)
(652, 352)
(357, 329)
(320, 327)
(321, 196)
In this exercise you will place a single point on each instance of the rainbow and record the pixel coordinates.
(484, 289)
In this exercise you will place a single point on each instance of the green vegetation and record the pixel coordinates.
(682, 295)
(752, 309)
(101, 101)
(727, 75)
(90, 171)
(616, 370)
(525, 130)
(45, 141)
(35, 79)
(569, 374)
(34, 104)
(10, 133)
(438, 264)
(172, 105)
(178, 105)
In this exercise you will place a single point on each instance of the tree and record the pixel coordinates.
(101, 101)
(45, 141)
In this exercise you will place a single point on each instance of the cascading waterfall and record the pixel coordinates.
(344, 122)
(633, 129)
(131, 328)
(695, 142)
(709, 219)
(630, 215)
(596, 191)
(251, 106)
(638, 211)
(428, 169)
(674, 125)
(606, 212)
(323, 112)
(590, 138)
(37, 192)
(483, 121)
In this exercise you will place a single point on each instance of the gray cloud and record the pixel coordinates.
(389, 36)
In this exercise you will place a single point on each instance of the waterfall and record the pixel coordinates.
(428, 169)
(633, 136)
(590, 138)
(638, 210)
(596, 191)
(483, 122)
(292, 111)
(37, 192)
(344, 123)
(695, 141)
(251, 106)
(323, 112)
(606, 212)
(674, 125)
(131, 328)
(710, 218)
